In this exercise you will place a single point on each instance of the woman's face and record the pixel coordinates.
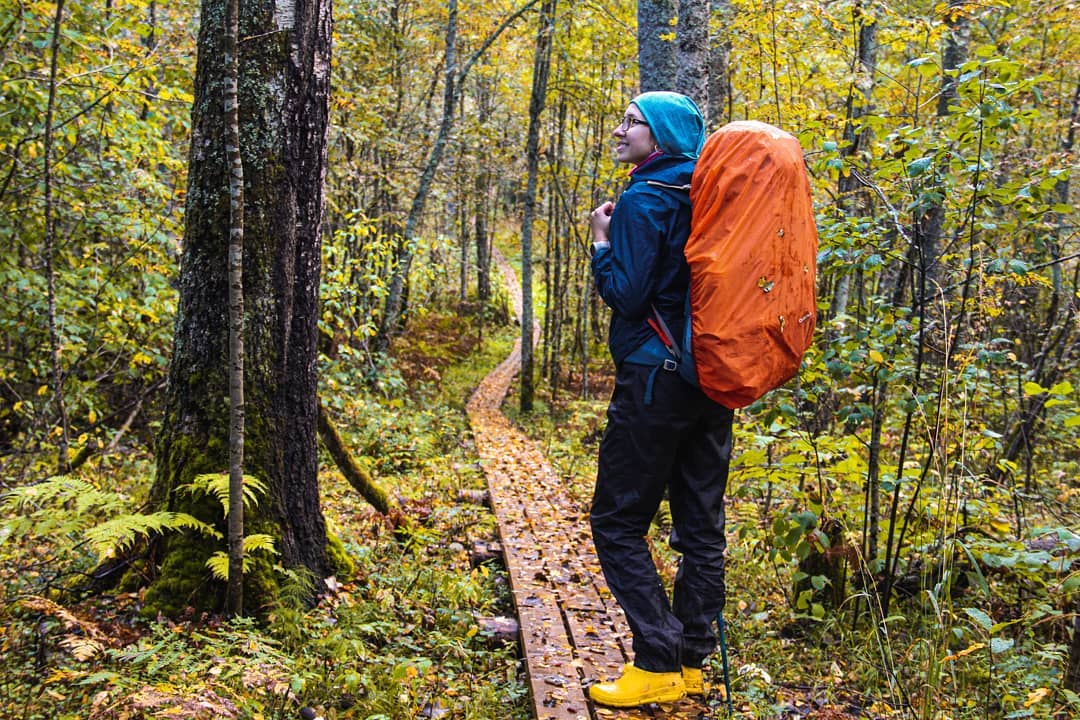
(633, 139)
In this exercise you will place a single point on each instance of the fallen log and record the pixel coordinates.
(357, 476)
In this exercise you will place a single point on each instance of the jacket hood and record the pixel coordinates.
(675, 121)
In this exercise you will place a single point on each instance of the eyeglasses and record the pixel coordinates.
(629, 122)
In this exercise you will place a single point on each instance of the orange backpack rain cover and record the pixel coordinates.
(752, 253)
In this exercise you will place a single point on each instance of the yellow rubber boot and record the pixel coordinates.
(694, 680)
(638, 687)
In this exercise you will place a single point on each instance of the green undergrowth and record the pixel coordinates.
(403, 637)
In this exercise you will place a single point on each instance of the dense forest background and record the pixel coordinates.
(914, 494)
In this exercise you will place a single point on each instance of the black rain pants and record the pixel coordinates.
(679, 441)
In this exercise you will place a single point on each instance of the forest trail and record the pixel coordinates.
(572, 630)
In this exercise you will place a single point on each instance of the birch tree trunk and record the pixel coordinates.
(284, 83)
(235, 592)
(858, 138)
(931, 222)
(57, 368)
(541, 68)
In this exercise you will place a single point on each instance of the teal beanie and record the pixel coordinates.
(675, 121)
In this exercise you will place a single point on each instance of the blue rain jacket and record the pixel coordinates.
(645, 265)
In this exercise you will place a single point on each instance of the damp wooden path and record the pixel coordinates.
(572, 631)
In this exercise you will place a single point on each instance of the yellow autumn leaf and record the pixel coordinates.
(965, 652)
(1036, 696)
(877, 357)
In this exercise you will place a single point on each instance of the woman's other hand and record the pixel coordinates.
(599, 222)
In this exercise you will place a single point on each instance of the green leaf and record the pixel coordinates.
(1062, 388)
(918, 167)
(1033, 388)
(1000, 645)
(980, 617)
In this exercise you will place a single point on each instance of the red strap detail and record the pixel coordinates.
(664, 338)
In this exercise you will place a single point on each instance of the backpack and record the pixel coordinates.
(752, 253)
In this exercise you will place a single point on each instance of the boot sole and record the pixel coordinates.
(658, 697)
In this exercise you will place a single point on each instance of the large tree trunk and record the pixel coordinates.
(719, 106)
(692, 75)
(284, 69)
(656, 44)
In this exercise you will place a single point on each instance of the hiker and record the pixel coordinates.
(663, 433)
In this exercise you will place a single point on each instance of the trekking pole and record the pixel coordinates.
(724, 661)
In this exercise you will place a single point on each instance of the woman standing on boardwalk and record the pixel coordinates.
(662, 434)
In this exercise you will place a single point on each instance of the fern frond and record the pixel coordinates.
(56, 507)
(121, 532)
(82, 648)
(218, 563)
(297, 585)
(217, 486)
(259, 542)
(57, 491)
(71, 621)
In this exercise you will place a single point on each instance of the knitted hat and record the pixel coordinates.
(675, 121)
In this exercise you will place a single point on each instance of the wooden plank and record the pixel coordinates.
(600, 653)
(554, 680)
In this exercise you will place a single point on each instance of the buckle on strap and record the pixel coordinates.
(670, 365)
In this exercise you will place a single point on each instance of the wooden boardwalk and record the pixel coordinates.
(572, 631)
